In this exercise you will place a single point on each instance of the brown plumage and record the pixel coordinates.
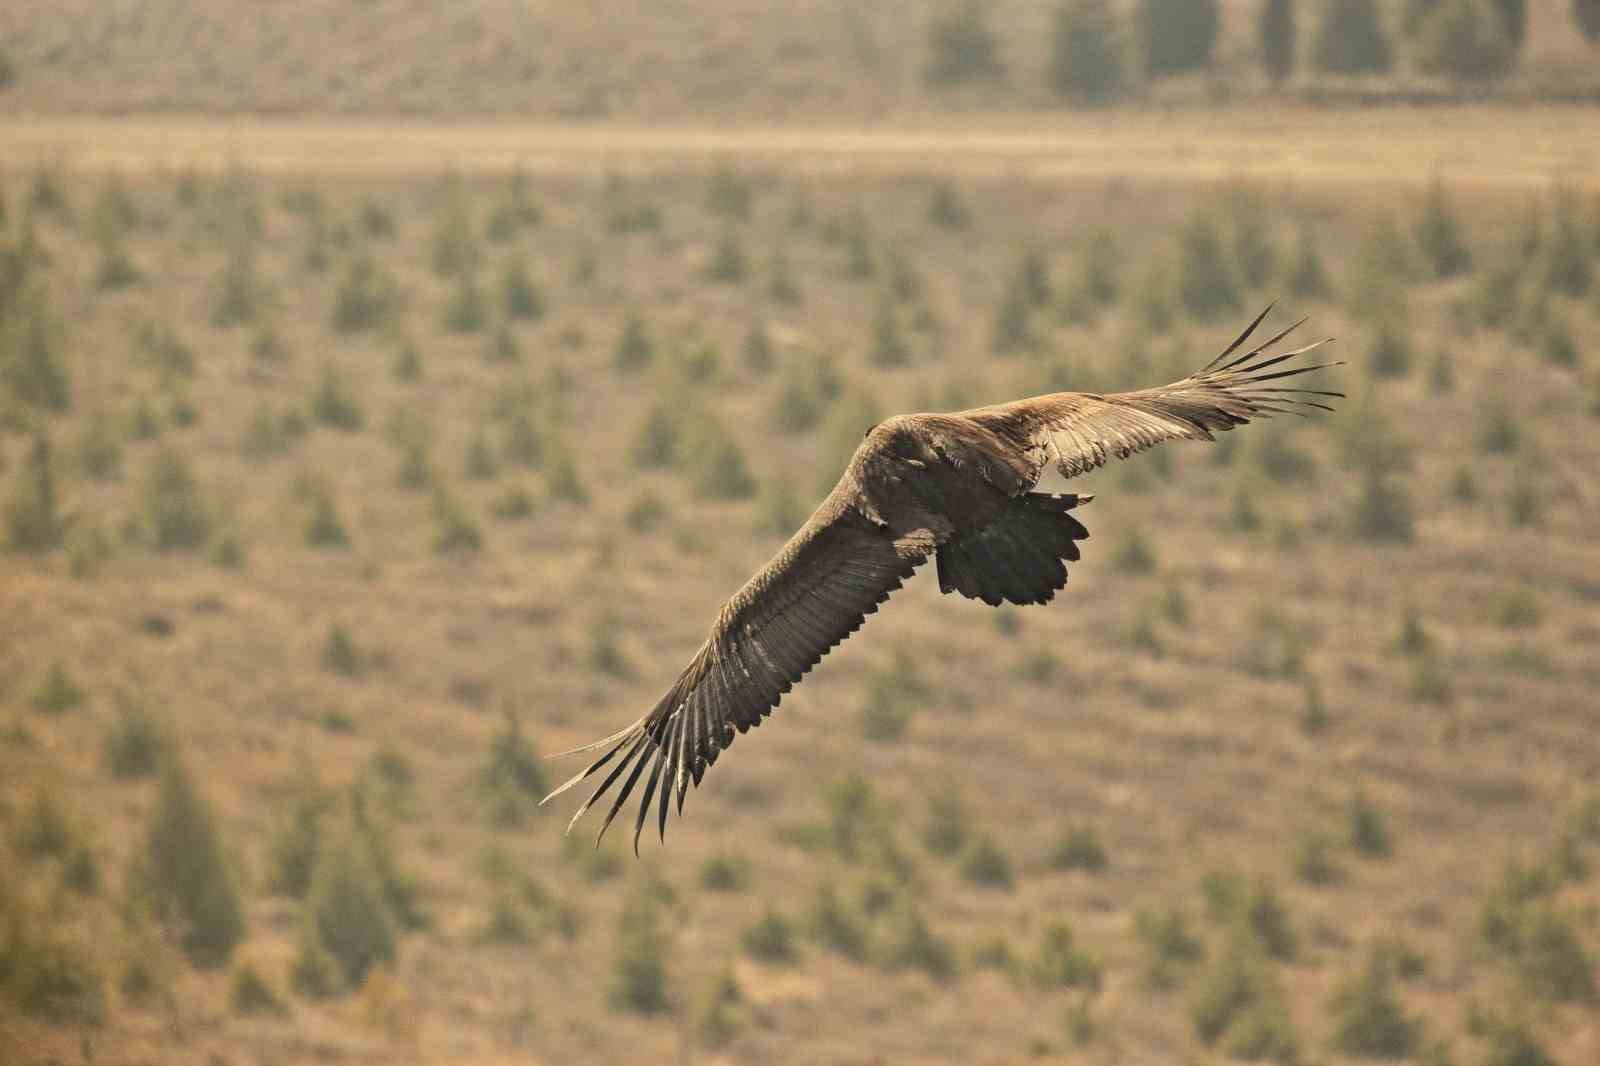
(956, 486)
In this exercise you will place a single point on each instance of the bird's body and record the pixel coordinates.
(955, 486)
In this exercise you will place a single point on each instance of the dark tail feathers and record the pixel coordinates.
(1019, 557)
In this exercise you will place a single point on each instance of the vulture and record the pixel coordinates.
(956, 487)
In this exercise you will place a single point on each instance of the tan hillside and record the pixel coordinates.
(748, 59)
(367, 488)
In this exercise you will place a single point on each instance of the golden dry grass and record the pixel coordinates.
(1185, 761)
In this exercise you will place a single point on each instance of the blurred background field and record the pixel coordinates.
(350, 465)
(757, 59)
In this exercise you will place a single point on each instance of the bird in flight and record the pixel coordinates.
(957, 487)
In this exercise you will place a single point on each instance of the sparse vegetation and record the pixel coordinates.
(367, 297)
(1391, 353)
(1268, 922)
(1350, 39)
(1177, 35)
(347, 908)
(1275, 38)
(962, 47)
(249, 992)
(988, 865)
(1239, 1007)
(185, 874)
(513, 781)
(48, 976)
(835, 927)
(325, 530)
(135, 745)
(1369, 834)
(1369, 1021)
(770, 940)
(174, 511)
(468, 309)
(1136, 556)
(1086, 63)
(1467, 40)
(1207, 286)
(1080, 849)
(1423, 671)
(57, 693)
(334, 404)
(34, 522)
(634, 349)
(1439, 235)
(641, 960)
(912, 945)
(1061, 963)
(1384, 513)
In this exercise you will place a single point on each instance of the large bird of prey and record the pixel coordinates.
(958, 487)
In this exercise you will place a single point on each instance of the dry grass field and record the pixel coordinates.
(374, 477)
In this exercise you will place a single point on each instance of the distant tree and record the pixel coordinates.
(31, 361)
(176, 514)
(634, 348)
(1514, 20)
(1439, 235)
(1207, 284)
(641, 961)
(1085, 60)
(1350, 39)
(187, 873)
(945, 207)
(1513, 17)
(963, 46)
(347, 912)
(1587, 14)
(1413, 13)
(1369, 1021)
(1275, 32)
(1465, 40)
(1177, 35)
(33, 518)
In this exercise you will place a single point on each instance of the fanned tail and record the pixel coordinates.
(1021, 556)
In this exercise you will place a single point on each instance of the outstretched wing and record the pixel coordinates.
(812, 595)
(1079, 431)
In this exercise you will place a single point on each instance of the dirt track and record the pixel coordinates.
(1486, 145)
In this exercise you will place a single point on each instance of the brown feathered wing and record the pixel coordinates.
(1079, 431)
(812, 595)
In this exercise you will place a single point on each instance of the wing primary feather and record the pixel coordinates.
(592, 745)
(1258, 349)
(1269, 361)
(1297, 370)
(638, 759)
(1241, 338)
(668, 785)
(768, 635)
(702, 736)
(1278, 358)
(681, 782)
(621, 739)
(1302, 392)
(612, 776)
(649, 790)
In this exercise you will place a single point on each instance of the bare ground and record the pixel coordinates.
(1491, 146)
